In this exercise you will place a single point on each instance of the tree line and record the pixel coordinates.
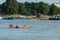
(14, 7)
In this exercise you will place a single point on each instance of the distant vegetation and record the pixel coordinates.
(14, 7)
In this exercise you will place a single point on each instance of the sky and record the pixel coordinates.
(46, 1)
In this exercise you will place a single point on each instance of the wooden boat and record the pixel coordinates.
(29, 27)
(23, 26)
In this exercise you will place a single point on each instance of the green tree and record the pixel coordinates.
(43, 8)
(58, 10)
(54, 10)
(10, 7)
(28, 8)
(33, 8)
(22, 9)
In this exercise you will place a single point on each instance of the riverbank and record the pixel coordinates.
(41, 17)
(18, 16)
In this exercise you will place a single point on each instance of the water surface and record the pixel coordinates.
(42, 30)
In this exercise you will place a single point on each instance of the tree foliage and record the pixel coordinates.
(14, 7)
(43, 8)
(10, 7)
(54, 10)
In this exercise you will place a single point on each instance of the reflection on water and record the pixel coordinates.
(42, 30)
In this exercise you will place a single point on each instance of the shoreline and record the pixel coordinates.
(32, 17)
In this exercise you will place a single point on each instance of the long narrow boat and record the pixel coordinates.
(28, 27)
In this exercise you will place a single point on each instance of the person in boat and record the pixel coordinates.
(16, 26)
(23, 26)
(11, 26)
(20, 26)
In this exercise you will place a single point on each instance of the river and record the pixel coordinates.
(41, 30)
